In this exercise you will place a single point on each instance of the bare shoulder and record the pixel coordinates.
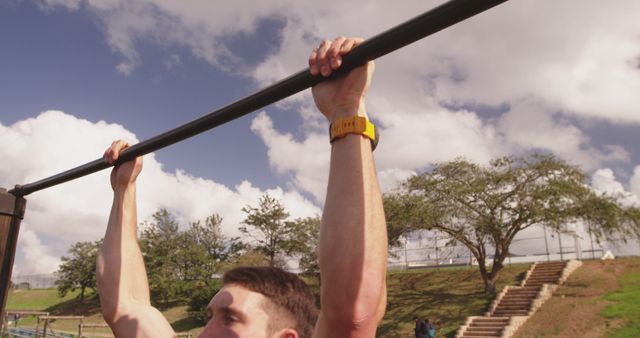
(142, 321)
(331, 329)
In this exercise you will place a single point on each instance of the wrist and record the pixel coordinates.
(124, 187)
(338, 114)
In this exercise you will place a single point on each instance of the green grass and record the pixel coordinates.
(446, 295)
(37, 299)
(47, 300)
(626, 306)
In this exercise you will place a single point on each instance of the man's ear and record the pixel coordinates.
(288, 333)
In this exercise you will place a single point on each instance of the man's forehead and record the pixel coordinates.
(237, 298)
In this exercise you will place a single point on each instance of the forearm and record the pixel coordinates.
(121, 275)
(353, 242)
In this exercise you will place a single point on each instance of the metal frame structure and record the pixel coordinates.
(450, 13)
(11, 213)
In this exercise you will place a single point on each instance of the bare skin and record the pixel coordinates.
(353, 240)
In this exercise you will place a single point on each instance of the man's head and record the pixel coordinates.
(261, 302)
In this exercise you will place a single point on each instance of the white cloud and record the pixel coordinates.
(585, 64)
(547, 67)
(635, 181)
(78, 210)
(307, 161)
(604, 181)
(550, 65)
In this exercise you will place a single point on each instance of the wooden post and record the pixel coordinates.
(11, 212)
(45, 327)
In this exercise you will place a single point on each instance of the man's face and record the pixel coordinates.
(235, 312)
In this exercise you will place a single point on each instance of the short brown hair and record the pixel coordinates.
(286, 290)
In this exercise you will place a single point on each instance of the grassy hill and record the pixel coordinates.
(600, 293)
(601, 299)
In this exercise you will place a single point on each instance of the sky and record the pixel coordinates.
(553, 76)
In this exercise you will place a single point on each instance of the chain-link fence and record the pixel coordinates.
(425, 249)
(41, 281)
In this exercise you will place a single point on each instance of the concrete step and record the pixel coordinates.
(545, 273)
(543, 280)
(518, 297)
(511, 313)
(484, 332)
(531, 293)
(495, 327)
(554, 270)
(555, 276)
(510, 310)
(510, 305)
(523, 291)
(476, 332)
(516, 300)
(485, 329)
(489, 324)
(493, 320)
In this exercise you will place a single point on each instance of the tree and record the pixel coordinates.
(268, 228)
(210, 249)
(304, 242)
(78, 270)
(159, 244)
(181, 261)
(484, 207)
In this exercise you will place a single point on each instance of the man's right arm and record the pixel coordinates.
(120, 271)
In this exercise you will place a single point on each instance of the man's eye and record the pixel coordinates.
(229, 319)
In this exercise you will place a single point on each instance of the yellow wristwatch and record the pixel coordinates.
(354, 125)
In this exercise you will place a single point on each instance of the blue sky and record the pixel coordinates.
(57, 59)
(562, 77)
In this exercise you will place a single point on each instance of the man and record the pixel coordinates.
(352, 251)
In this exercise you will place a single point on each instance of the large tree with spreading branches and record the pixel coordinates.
(484, 207)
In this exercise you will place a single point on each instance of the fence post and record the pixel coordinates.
(560, 245)
(546, 243)
(45, 327)
(11, 212)
(406, 259)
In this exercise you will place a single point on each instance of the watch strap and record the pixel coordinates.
(354, 125)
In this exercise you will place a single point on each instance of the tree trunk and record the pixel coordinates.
(489, 284)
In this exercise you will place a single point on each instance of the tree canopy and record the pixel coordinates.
(177, 260)
(268, 227)
(78, 270)
(484, 207)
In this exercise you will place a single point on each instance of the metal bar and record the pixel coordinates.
(395, 38)
(11, 212)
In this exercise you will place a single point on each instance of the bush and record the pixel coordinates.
(201, 298)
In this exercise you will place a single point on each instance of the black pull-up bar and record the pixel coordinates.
(411, 31)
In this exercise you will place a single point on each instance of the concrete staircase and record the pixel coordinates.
(515, 304)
